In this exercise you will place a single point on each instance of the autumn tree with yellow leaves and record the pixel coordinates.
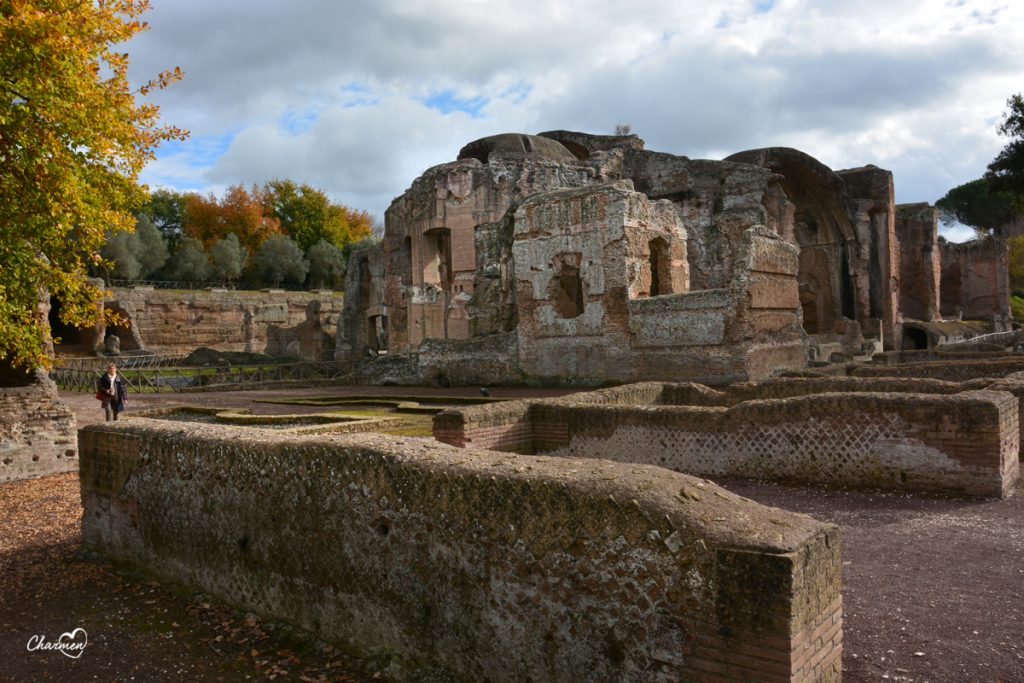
(73, 138)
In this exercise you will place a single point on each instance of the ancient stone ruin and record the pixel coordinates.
(275, 322)
(916, 436)
(568, 538)
(478, 565)
(574, 257)
(37, 431)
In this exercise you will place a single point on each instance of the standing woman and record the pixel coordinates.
(113, 392)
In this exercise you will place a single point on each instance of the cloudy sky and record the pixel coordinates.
(358, 98)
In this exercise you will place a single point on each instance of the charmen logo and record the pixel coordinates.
(70, 644)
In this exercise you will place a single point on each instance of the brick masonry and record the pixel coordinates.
(37, 431)
(479, 565)
(965, 443)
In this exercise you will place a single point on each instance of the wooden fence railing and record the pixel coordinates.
(99, 364)
(160, 379)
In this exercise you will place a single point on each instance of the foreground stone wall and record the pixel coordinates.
(178, 321)
(965, 443)
(478, 565)
(37, 431)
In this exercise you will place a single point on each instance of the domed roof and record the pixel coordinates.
(516, 145)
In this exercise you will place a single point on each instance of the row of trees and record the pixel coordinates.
(282, 232)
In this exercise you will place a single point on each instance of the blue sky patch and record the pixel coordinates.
(446, 101)
(200, 152)
(517, 92)
(295, 121)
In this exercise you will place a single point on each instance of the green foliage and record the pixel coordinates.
(308, 216)
(73, 140)
(975, 205)
(228, 258)
(326, 265)
(278, 260)
(152, 249)
(1017, 307)
(1016, 263)
(134, 255)
(189, 262)
(1006, 172)
(121, 250)
(166, 210)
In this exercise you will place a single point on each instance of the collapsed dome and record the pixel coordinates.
(516, 145)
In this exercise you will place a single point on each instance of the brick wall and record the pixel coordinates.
(477, 565)
(920, 261)
(965, 443)
(37, 431)
(975, 278)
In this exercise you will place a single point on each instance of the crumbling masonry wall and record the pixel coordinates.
(975, 279)
(37, 431)
(478, 565)
(179, 321)
(920, 259)
(964, 443)
(585, 273)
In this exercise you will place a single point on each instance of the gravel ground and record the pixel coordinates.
(931, 586)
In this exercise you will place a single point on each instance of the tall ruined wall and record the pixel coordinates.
(716, 200)
(844, 224)
(965, 443)
(178, 321)
(364, 320)
(917, 228)
(583, 264)
(580, 257)
(875, 263)
(975, 279)
(429, 240)
(474, 565)
(37, 431)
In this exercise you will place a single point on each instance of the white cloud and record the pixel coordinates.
(332, 93)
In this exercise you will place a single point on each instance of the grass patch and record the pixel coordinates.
(1017, 307)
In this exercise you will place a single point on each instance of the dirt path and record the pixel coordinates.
(931, 586)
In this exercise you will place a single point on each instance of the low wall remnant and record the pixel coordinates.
(478, 565)
(37, 431)
(965, 443)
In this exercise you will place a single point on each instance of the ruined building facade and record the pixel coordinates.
(567, 255)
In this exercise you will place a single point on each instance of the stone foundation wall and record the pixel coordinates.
(178, 321)
(965, 443)
(37, 432)
(477, 565)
